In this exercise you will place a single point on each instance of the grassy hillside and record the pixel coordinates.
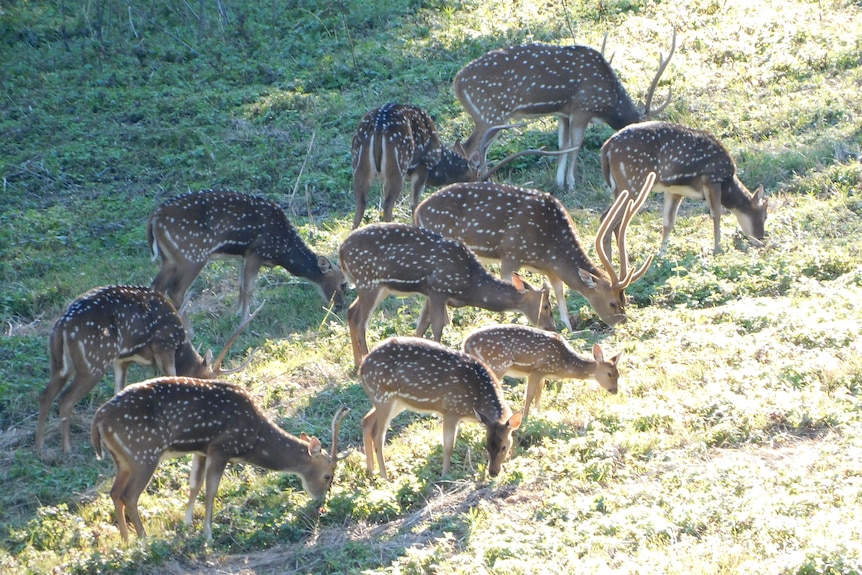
(735, 444)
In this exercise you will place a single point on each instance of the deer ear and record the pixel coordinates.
(323, 264)
(615, 359)
(484, 420)
(598, 354)
(208, 358)
(758, 194)
(458, 148)
(518, 282)
(304, 436)
(587, 278)
(515, 421)
(314, 447)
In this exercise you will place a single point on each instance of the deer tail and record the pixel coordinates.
(96, 438)
(151, 238)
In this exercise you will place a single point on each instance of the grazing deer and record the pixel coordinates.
(218, 422)
(528, 228)
(522, 351)
(426, 377)
(393, 258)
(574, 83)
(394, 141)
(116, 326)
(688, 164)
(186, 231)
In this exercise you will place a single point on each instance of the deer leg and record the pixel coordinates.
(369, 430)
(571, 135)
(439, 315)
(215, 465)
(196, 481)
(450, 431)
(128, 486)
(384, 413)
(560, 294)
(713, 196)
(535, 384)
(418, 179)
(358, 315)
(81, 385)
(392, 185)
(249, 269)
(671, 207)
(181, 283)
(362, 177)
(46, 400)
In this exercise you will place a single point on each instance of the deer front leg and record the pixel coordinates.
(535, 383)
(215, 464)
(358, 315)
(450, 431)
(251, 264)
(713, 196)
(435, 314)
(369, 431)
(196, 481)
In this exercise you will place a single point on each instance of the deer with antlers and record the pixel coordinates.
(523, 351)
(393, 258)
(396, 141)
(114, 327)
(520, 228)
(423, 376)
(188, 230)
(574, 83)
(688, 164)
(215, 421)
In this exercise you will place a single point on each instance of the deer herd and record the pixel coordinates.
(438, 255)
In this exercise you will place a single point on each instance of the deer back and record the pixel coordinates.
(189, 229)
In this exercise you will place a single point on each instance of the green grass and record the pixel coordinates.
(735, 444)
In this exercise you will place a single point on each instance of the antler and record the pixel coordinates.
(631, 209)
(662, 64)
(625, 277)
(217, 363)
(336, 424)
(604, 43)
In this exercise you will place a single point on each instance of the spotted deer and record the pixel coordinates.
(114, 327)
(396, 141)
(520, 228)
(188, 230)
(688, 164)
(574, 83)
(215, 421)
(394, 258)
(406, 373)
(522, 351)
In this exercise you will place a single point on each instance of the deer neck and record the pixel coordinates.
(489, 293)
(735, 196)
(277, 450)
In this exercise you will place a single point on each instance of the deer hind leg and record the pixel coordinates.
(362, 177)
(369, 430)
(249, 269)
(81, 385)
(196, 481)
(392, 185)
(127, 488)
(46, 400)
